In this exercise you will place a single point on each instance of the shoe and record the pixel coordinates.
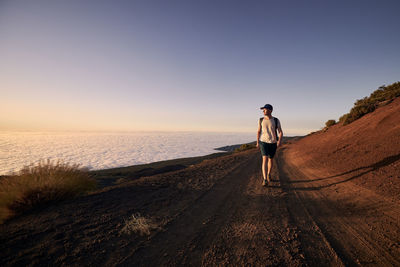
(265, 182)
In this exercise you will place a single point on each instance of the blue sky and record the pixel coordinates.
(191, 65)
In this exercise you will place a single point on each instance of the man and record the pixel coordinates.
(268, 140)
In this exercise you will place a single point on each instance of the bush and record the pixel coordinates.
(343, 118)
(37, 185)
(369, 104)
(330, 123)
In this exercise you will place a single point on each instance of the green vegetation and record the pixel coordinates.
(38, 185)
(369, 104)
(245, 147)
(330, 123)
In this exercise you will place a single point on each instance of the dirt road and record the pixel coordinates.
(217, 213)
(302, 219)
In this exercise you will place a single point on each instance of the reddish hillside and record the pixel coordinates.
(367, 150)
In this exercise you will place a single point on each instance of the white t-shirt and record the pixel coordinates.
(268, 133)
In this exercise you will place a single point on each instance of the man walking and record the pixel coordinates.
(268, 141)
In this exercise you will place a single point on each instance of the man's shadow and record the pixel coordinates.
(376, 166)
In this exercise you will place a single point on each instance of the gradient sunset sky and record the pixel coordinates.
(191, 65)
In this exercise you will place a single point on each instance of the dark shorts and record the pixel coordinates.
(268, 149)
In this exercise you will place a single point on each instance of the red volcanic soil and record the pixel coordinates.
(365, 152)
(348, 178)
(334, 201)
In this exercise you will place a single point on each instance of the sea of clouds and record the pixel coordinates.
(108, 150)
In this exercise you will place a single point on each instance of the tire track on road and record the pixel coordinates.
(186, 238)
(318, 249)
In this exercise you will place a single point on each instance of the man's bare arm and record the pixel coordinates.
(280, 134)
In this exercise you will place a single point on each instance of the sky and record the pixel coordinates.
(191, 65)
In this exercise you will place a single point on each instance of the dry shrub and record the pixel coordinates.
(41, 184)
(138, 224)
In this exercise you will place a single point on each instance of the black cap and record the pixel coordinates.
(267, 106)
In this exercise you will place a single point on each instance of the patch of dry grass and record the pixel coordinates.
(37, 185)
(138, 224)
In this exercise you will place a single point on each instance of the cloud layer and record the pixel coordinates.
(107, 150)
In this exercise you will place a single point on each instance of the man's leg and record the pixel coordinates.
(270, 164)
(264, 165)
